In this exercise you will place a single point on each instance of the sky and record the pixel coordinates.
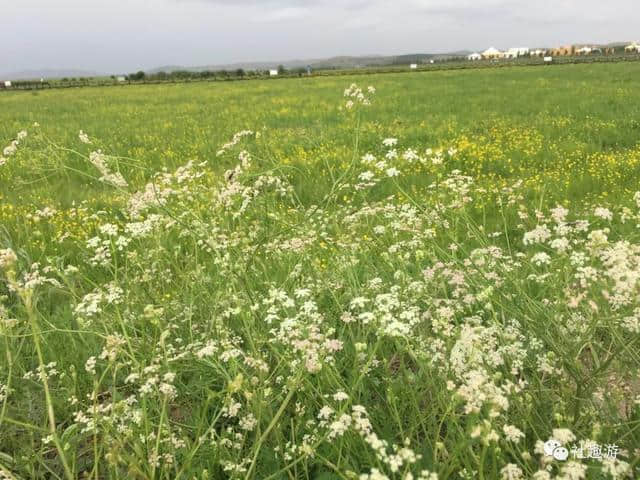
(120, 36)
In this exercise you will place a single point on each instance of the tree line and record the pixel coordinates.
(209, 74)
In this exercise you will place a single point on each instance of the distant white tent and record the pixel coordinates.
(273, 73)
(516, 52)
(474, 56)
(634, 47)
(492, 53)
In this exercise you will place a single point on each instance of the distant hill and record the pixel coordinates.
(317, 63)
(49, 73)
(338, 62)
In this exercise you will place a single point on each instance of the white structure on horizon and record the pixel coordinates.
(538, 52)
(121, 79)
(413, 66)
(516, 52)
(273, 73)
(474, 56)
(7, 83)
(634, 47)
(584, 51)
(492, 53)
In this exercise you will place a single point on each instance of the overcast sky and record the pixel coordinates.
(125, 35)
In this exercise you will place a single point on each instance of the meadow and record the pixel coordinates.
(421, 276)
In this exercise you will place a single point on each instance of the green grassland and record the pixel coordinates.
(434, 284)
(554, 119)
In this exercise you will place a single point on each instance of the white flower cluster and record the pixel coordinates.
(83, 137)
(236, 196)
(12, 148)
(8, 258)
(156, 193)
(237, 137)
(99, 160)
(92, 303)
(358, 96)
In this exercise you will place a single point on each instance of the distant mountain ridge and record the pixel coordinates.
(332, 62)
(345, 61)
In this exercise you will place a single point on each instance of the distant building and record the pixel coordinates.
(584, 51)
(492, 52)
(548, 59)
(273, 73)
(563, 51)
(538, 52)
(121, 78)
(633, 48)
(516, 52)
(474, 56)
(413, 66)
(7, 84)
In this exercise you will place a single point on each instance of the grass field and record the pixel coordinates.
(264, 280)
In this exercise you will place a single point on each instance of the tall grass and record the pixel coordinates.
(355, 295)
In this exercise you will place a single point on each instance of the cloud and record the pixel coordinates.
(283, 14)
(107, 35)
(585, 10)
(258, 3)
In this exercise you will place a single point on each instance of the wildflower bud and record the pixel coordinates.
(8, 258)
(236, 384)
(360, 347)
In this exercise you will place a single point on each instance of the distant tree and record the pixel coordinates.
(240, 73)
(139, 75)
(281, 70)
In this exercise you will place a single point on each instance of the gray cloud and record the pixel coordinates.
(123, 35)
